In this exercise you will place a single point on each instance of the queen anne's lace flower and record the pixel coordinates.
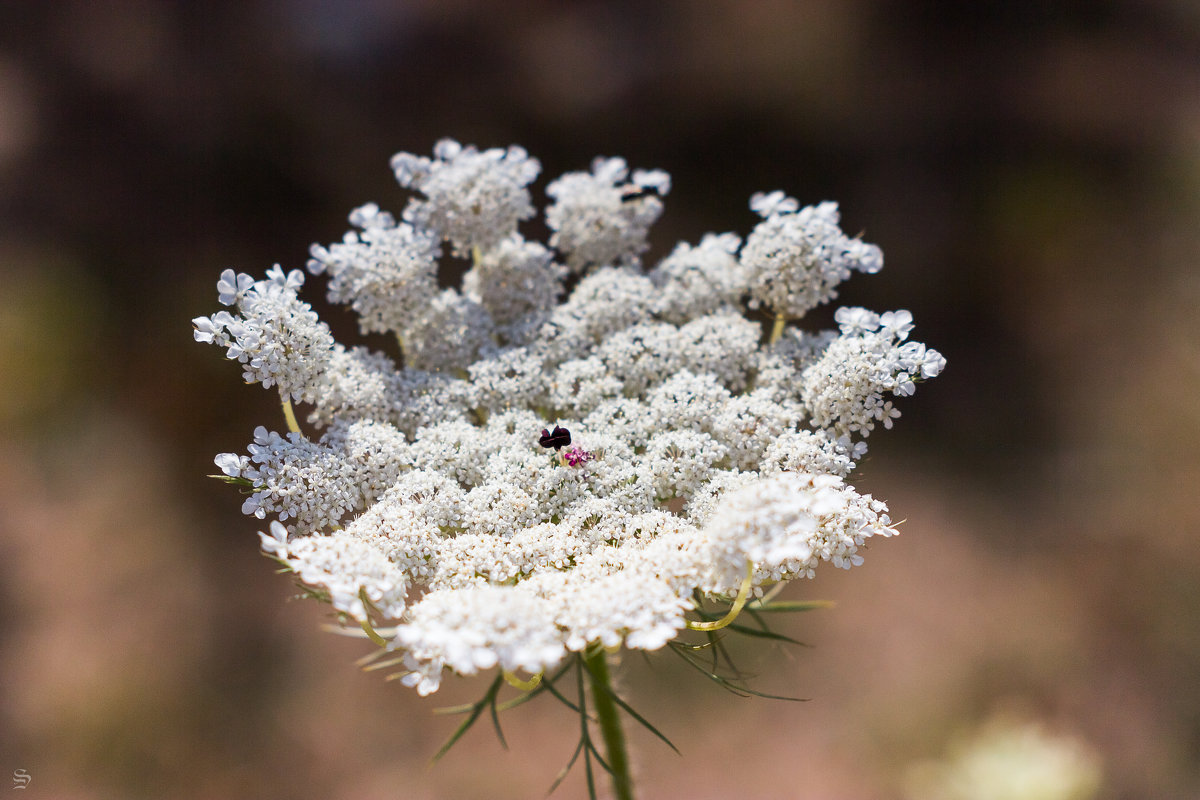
(684, 448)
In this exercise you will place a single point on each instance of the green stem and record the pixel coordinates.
(609, 720)
(738, 604)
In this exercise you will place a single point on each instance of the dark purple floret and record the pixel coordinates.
(559, 438)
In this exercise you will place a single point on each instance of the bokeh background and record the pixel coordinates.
(1032, 172)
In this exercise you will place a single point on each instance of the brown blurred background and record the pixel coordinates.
(1031, 170)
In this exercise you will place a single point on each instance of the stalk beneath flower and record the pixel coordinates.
(607, 716)
(289, 415)
(738, 603)
(524, 686)
(777, 328)
(365, 623)
(371, 634)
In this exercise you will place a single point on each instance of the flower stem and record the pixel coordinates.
(596, 660)
(739, 603)
(777, 328)
(289, 414)
(524, 686)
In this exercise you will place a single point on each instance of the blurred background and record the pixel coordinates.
(1032, 173)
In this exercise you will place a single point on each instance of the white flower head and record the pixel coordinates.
(787, 524)
(553, 464)
(477, 628)
(698, 280)
(386, 272)
(515, 279)
(278, 339)
(845, 389)
(796, 257)
(350, 569)
(472, 198)
(1010, 757)
(600, 218)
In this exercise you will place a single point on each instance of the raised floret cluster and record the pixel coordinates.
(573, 446)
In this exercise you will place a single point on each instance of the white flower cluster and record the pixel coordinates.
(473, 199)
(277, 338)
(599, 219)
(796, 257)
(317, 483)
(572, 446)
(844, 389)
(1009, 757)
